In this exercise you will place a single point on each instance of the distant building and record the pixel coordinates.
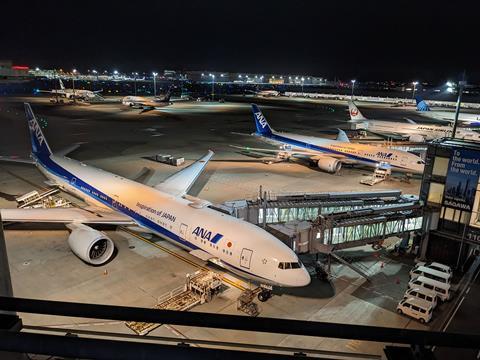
(8, 71)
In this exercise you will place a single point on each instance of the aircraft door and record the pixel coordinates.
(184, 231)
(246, 258)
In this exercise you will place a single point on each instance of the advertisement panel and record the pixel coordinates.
(462, 179)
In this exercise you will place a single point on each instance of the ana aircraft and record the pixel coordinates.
(71, 94)
(165, 210)
(424, 109)
(411, 131)
(328, 154)
(148, 104)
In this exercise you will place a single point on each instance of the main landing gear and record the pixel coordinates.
(265, 293)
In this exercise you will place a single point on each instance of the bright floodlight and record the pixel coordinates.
(203, 74)
(74, 71)
(239, 76)
(154, 74)
(354, 81)
(221, 75)
(115, 72)
(303, 79)
(94, 71)
(415, 83)
(37, 69)
(449, 84)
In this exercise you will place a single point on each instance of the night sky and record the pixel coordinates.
(367, 40)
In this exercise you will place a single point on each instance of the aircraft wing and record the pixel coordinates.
(65, 215)
(179, 183)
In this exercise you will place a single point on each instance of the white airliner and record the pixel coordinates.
(148, 104)
(412, 131)
(266, 93)
(73, 93)
(328, 154)
(164, 210)
(467, 118)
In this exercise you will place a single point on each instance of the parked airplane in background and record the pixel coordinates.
(164, 209)
(265, 93)
(328, 154)
(412, 131)
(424, 109)
(148, 104)
(71, 94)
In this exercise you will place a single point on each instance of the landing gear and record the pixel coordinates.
(265, 293)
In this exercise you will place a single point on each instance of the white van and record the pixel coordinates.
(422, 294)
(436, 266)
(430, 273)
(442, 290)
(416, 308)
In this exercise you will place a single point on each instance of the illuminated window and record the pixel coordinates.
(440, 166)
(435, 195)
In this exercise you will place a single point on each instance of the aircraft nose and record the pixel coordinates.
(304, 279)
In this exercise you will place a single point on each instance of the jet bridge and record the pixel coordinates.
(323, 223)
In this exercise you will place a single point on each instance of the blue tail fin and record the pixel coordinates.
(421, 104)
(40, 147)
(260, 122)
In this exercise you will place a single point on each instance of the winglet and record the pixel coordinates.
(261, 124)
(411, 121)
(342, 136)
(355, 114)
(179, 183)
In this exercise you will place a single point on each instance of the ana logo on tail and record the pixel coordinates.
(35, 128)
(261, 119)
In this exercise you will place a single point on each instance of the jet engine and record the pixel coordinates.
(328, 164)
(90, 245)
(416, 138)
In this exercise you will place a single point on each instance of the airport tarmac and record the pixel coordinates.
(119, 139)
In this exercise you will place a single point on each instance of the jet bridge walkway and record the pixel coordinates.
(324, 223)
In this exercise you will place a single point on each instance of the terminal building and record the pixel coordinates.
(451, 194)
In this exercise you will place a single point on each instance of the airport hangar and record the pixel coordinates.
(42, 270)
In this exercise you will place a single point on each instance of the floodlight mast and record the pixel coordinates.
(461, 85)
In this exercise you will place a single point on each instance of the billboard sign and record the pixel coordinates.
(462, 179)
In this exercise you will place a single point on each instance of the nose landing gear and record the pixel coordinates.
(265, 293)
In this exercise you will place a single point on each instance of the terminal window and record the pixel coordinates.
(440, 166)
(435, 194)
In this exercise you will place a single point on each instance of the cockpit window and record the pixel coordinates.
(289, 265)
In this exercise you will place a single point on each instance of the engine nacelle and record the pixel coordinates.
(90, 245)
(416, 138)
(330, 165)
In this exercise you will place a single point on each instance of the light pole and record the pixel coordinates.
(353, 86)
(155, 84)
(135, 74)
(213, 86)
(73, 83)
(461, 84)
(415, 83)
(303, 81)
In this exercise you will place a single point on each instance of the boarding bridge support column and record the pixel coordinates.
(8, 321)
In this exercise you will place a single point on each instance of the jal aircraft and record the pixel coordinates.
(328, 154)
(424, 110)
(265, 93)
(412, 131)
(165, 210)
(73, 93)
(148, 104)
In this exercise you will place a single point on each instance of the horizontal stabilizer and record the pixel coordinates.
(16, 159)
(68, 149)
